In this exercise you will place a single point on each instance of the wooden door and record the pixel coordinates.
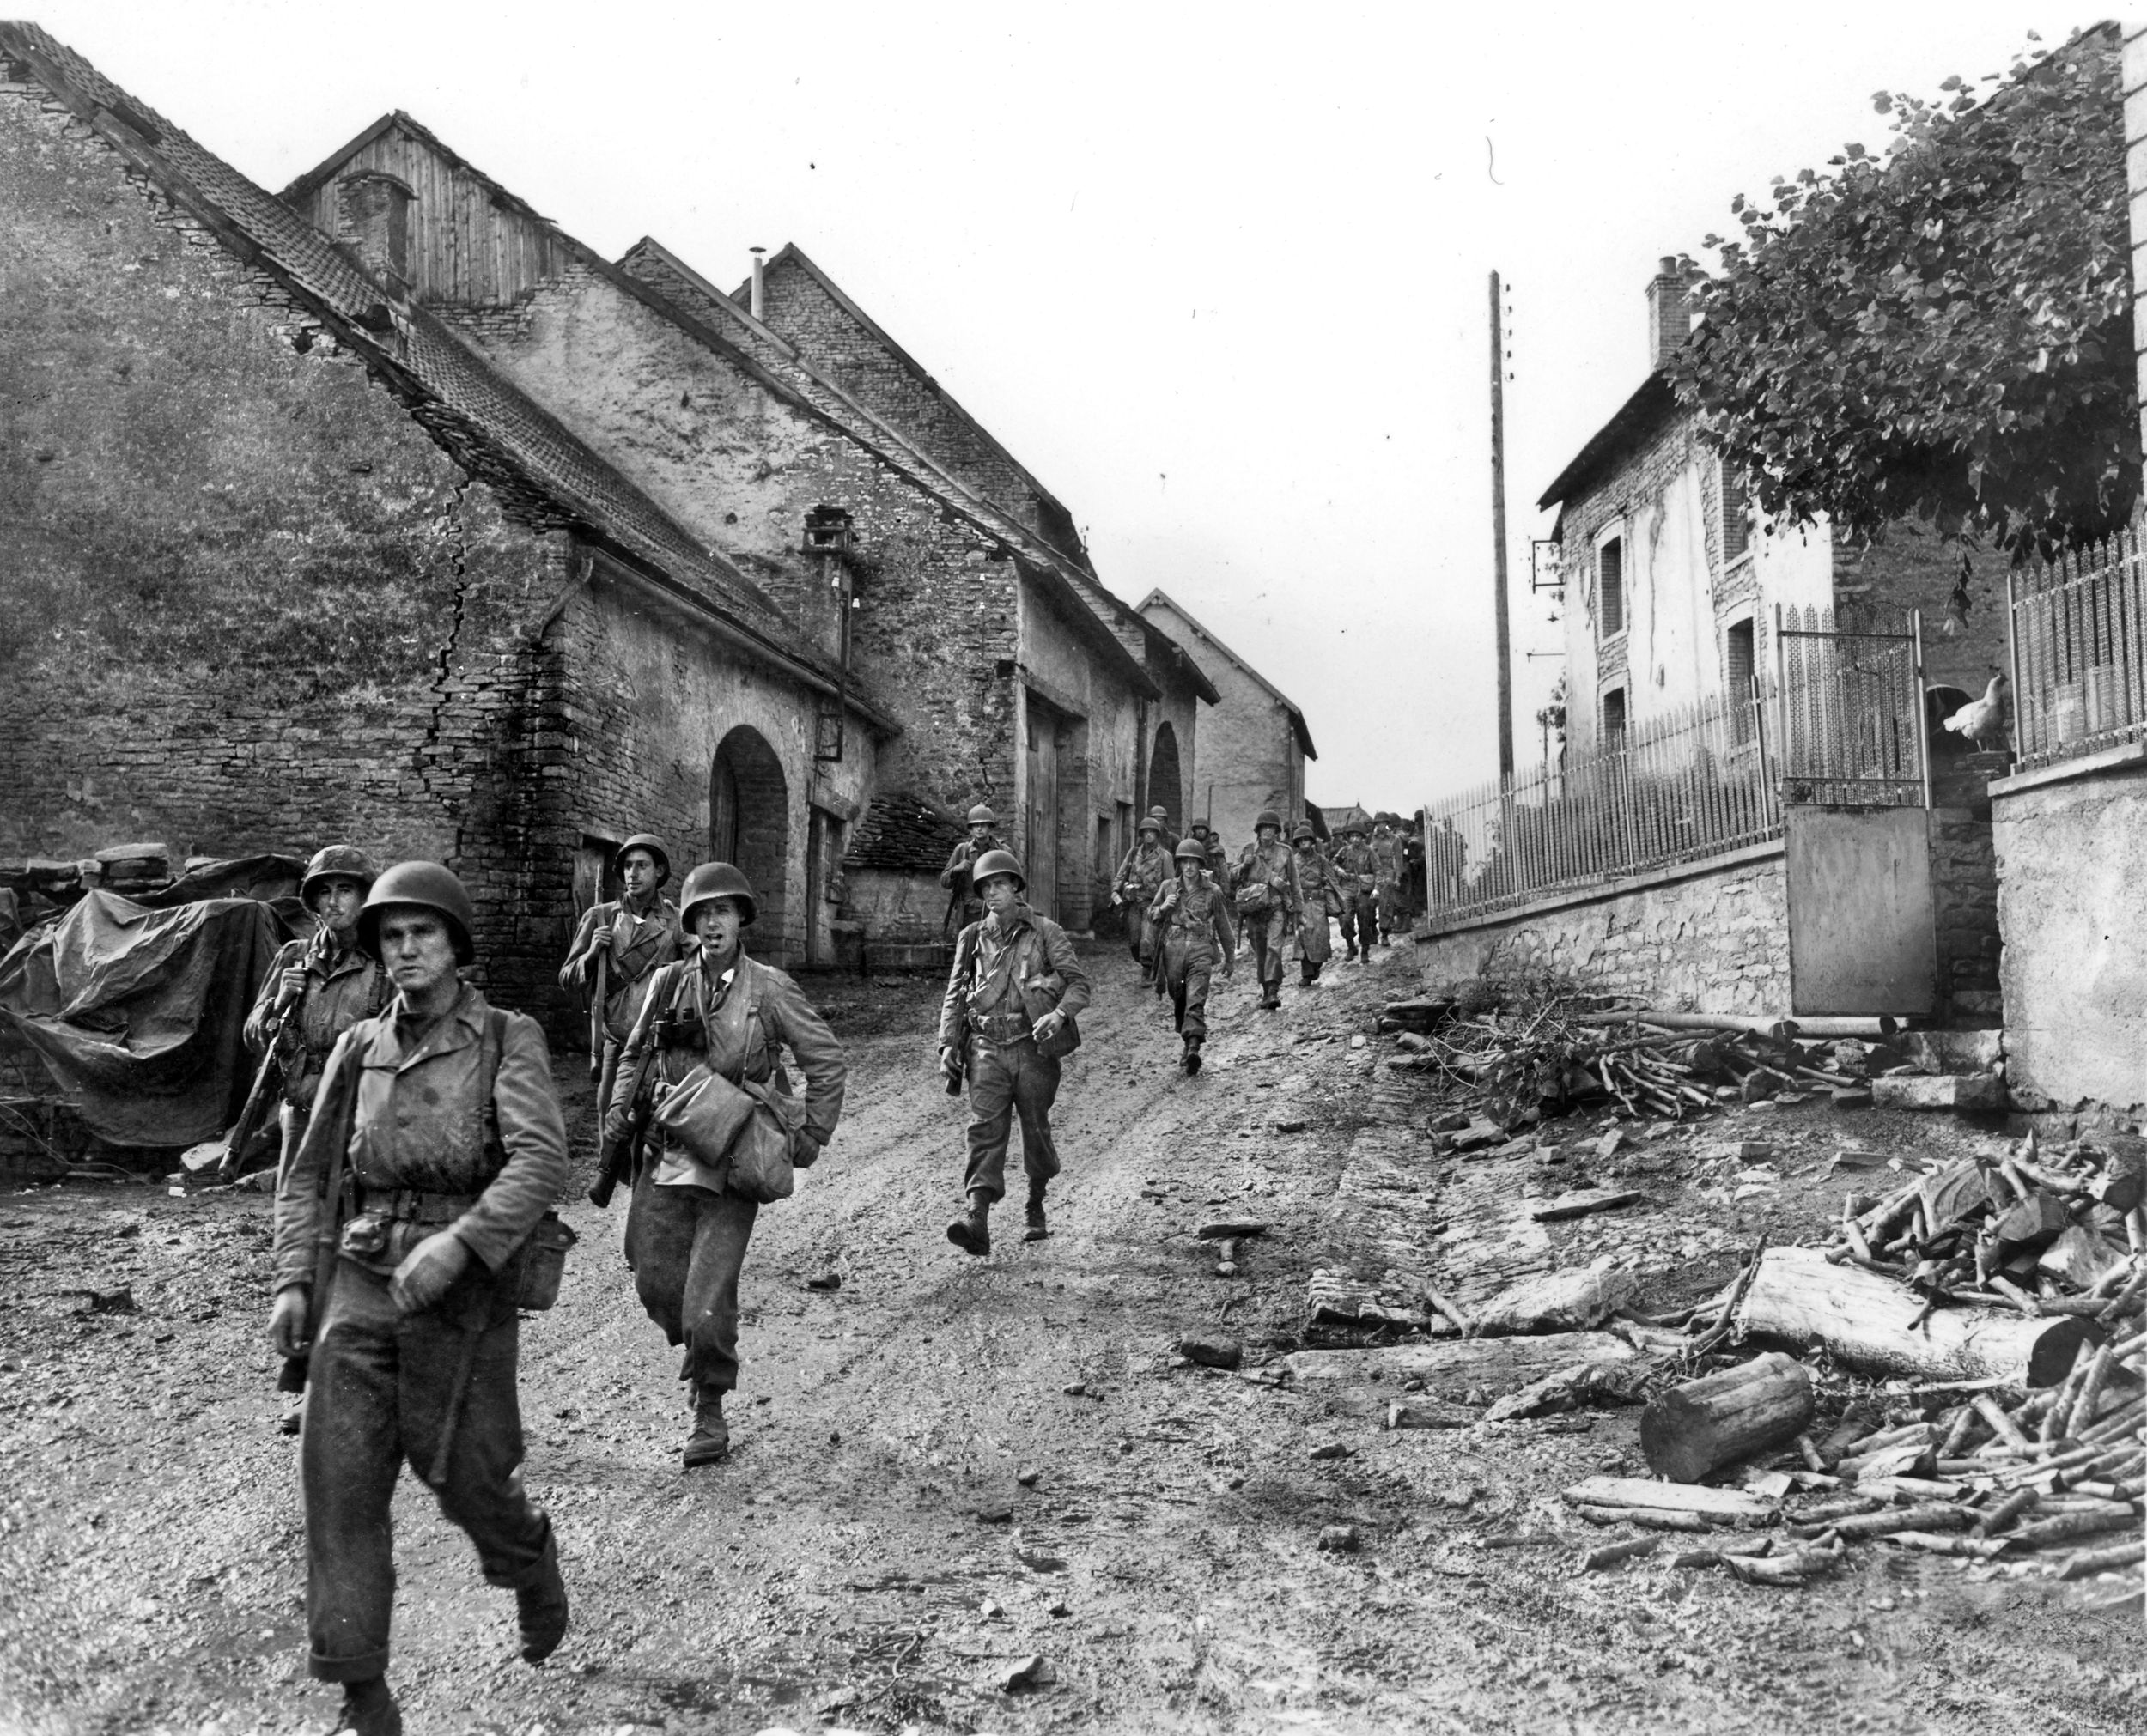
(1040, 859)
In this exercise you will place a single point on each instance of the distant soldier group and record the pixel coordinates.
(424, 1147)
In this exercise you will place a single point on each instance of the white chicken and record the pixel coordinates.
(1984, 721)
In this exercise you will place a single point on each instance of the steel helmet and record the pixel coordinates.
(998, 862)
(1149, 823)
(1202, 826)
(337, 862)
(1266, 816)
(1191, 850)
(712, 881)
(427, 886)
(1304, 833)
(653, 845)
(981, 815)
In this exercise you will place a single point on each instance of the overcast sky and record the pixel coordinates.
(1215, 273)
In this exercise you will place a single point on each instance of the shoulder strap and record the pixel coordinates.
(490, 1045)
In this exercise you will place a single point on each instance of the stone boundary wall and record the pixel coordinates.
(2072, 906)
(1713, 939)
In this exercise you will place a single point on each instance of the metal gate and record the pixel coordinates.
(1851, 730)
(1862, 939)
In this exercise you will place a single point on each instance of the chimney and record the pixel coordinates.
(760, 285)
(1668, 313)
(372, 220)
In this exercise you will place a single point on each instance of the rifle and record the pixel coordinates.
(616, 1161)
(327, 1235)
(268, 1078)
(596, 1006)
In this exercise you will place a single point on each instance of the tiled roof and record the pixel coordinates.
(545, 476)
(904, 835)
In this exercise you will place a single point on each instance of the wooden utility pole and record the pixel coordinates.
(1498, 532)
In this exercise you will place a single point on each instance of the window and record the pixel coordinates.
(1739, 669)
(1614, 719)
(1737, 515)
(1610, 587)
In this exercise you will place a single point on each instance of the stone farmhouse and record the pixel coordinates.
(1254, 744)
(386, 511)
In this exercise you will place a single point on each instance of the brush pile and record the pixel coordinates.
(1564, 1055)
(2061, 1232)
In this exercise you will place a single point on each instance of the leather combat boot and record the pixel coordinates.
(1038, 1228)
(541, 1608)
(710, 1440)
(1192, 1061)
(971, 1232)
(369, 1709)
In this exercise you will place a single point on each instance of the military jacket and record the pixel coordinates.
(1196, 924)
(408, 1098)
(998, 968)
(1146, 868)
(635, 947)
(955, 877)
(1317, 879)
(1387, 857)
(341, 988)
(1357, 865)
(1276, 865)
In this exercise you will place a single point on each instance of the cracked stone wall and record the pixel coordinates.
(247, 604)
(1716, 943)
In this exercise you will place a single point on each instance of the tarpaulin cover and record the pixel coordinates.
(139, 1012)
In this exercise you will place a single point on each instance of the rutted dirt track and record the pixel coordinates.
(854, 1565)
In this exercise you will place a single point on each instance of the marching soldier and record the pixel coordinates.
(1354, 867)
(618, 948)
(1387, 861)
(956, 878)
(1214, 858)
(1008, 1018)
(1140, 876)
(437, 1129)
(1316, 879)
(687, 1228)
(1161, 816)
(316, 990)
(1268, 901)
(1192, 918)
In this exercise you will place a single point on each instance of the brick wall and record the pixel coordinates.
(1715, 942)
(249, 604)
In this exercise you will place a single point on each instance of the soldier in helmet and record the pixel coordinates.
(687, 1229)
(1191, 916)
(1161, 816)
(434, 1147)
(1014, 989)
(1140, 876)
(618, 948)
(1388, 863)
(956, 878)
(1322, 899)
(1214, 858)
(1358, 874)
(317, 989)
(1269, 901)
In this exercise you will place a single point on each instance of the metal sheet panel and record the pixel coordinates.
(1861, 937)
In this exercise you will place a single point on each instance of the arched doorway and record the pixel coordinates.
(1165, 790)
(749, 825)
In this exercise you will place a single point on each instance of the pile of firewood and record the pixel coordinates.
(1950, 1469)
(2045, 1234)
(1526, 1066)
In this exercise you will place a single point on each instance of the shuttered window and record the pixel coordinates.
(1737, 515)
(1610, 586)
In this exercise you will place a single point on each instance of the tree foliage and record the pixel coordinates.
(1942, 331)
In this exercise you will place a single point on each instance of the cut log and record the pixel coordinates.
(1722, 1417)
(1871, 1324)
(1499, 1366)
(1559, 1302)
(1670, 1497)
(2037, 1221)
(1576, 1389)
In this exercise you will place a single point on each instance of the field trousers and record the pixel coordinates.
(686, 1246)
(381, 1391)
(1007, 1080)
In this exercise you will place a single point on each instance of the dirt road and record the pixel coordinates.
(875, 1554)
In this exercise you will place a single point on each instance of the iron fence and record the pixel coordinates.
(2079, 651)
(1840, 722)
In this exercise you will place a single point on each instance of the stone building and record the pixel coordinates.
(1669, 585)
(385, 512)
(1254, 744)
(788, 433)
